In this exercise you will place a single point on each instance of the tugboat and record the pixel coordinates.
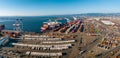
(2, 27)
(50, 25)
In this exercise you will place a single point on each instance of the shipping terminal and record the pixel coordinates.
(86, 37)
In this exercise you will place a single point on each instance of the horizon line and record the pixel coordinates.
(65, 14)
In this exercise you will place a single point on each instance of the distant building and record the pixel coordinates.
(107, 22)
(4, 40)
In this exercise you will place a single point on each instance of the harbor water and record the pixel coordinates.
(30, 23)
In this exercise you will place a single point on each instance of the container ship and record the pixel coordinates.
(71, 26)
(50, 25)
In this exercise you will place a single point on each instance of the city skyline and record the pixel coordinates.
(56, 7)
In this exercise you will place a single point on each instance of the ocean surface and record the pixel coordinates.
(30, 23)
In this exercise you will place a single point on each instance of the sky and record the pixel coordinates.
(57, 7)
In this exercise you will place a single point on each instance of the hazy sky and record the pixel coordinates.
(57, 7)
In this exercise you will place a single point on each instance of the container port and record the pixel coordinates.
(88, 37)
